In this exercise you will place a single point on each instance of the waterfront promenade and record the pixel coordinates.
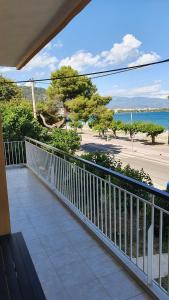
(154, 159)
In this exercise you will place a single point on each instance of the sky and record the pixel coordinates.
(105, 35)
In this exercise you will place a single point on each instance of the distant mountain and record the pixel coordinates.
(138, 103)
(40, 93)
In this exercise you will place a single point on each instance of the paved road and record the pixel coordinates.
(158, 171)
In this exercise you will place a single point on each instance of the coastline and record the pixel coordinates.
(120, 110)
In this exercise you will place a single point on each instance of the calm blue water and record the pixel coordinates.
(161, 117)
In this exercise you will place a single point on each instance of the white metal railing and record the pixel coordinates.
(14, 152)
(130, 215)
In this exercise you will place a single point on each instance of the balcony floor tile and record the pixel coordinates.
(70, 263)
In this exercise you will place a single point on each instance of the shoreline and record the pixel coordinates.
(121, 110)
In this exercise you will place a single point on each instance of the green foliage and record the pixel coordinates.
(115, 126)
(78, 108)
(9, 90)
(107, 161)
(49, 109)
(131, 128)
(70, 88)
(102, 119)
(76, 124)
(66, 140)
(18, 121)
(151, 130)
(82, 108)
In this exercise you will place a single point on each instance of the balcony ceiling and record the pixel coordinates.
(27, 26)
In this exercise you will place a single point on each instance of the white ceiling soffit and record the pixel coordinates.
(26, 26)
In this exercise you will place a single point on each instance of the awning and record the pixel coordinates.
(26, 26)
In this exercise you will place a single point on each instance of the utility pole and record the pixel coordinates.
(33, 98)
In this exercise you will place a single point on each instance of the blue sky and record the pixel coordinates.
(110, 34)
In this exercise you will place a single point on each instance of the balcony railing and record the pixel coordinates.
(14, 153)
(130, 217)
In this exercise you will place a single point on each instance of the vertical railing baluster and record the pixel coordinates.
(12, 153)
(110, 215)
(114, 208)
(22, 151)
(81, 190)
(131, 226)
(101, 199)
(74, 184)
(85, 197)
(119, 193)
(9, 154)
(15, 151)
(18, 150)
(90, 196)
(160, 244)
(151, 244)
(137, 230)
(98, 209)
(76, 189)
(87, 185)
(125, 222)
(144, 235)
(105, 206)
(94, 200)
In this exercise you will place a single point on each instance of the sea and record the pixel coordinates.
(160, 117)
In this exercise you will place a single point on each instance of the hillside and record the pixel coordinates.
(40, 93)
(138, 103)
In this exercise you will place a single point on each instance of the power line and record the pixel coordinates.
(99, 73)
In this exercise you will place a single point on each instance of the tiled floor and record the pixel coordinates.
(70, 264)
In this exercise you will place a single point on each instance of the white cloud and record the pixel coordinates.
(153, 90)
(58, 45)
(6, 69)
(79, 60)
(42, 60)
(120, 52)
(145, 59)
(52, 45)
(125, 51)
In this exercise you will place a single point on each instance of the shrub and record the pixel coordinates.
(66, 140)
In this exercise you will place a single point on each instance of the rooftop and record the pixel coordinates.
(70, 262)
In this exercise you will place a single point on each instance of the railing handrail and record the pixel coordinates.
(134, 182)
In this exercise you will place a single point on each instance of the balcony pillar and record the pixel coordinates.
(4, 205)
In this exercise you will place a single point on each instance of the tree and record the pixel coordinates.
(101, 128)
(151, 129)
(66, 140)
(131, 128)
(76, 124)
(18, 121)
(83, 109)
(101, 119)
(69, 86)
(78, 108)
(48, 113)
(9, 90)
(115, 126)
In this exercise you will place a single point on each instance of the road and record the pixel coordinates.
(158, 170)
